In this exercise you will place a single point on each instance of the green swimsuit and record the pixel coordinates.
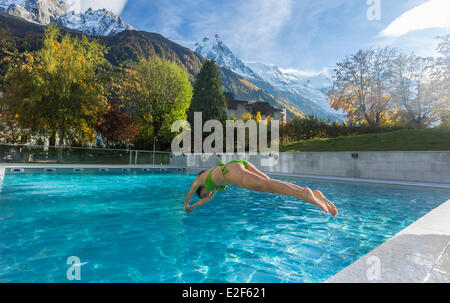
(211, 186)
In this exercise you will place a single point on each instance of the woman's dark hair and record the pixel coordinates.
(199, 190)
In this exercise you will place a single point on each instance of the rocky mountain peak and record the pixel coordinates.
(306, 91)
(99, 22)
(215, 49)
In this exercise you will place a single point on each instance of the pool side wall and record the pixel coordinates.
(432, 167)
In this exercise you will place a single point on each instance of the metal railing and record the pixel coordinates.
(80, 155)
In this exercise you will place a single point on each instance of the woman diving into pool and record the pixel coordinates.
(246, 175)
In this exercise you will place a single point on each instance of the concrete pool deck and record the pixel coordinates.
(419, 253)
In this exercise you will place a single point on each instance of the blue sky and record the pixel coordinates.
(295, 34)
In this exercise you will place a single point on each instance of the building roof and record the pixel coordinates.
(233, 104)
(229, 96)
(262, 107)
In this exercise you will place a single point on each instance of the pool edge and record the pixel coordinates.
(420, 253)
(366, 181)
(114, 167)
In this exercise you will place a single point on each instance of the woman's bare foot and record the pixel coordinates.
(317, 199)
(311, 198)
(331, 207)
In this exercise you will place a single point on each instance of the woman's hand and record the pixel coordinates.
(212, 194)
(188, 209)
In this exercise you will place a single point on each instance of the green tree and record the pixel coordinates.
(156, 92)
(8, 51)
(10, 131)
(58, 90)
(208, 95)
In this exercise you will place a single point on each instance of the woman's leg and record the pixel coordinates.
(241, 177)
(257, 172)
(331, 207)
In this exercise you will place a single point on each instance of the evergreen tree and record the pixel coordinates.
(208, 95)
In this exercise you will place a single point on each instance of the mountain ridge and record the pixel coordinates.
(99, 22)
(133, 45)
(294, 90)
(238, 77)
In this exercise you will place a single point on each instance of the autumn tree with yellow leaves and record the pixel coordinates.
(10, 130)
(380, 88)
(361, 88)
(57, 90)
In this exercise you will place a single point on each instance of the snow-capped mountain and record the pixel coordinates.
(307, 91)
(38, 11)
(290, 77)
(215, 49)
(311, 86)
(99, 22)
(96, 23)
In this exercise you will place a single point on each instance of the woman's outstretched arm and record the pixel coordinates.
(191, 193)
(201, 202)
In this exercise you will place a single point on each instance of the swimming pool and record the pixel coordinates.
(131, 227)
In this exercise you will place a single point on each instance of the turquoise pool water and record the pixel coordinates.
(131, 227)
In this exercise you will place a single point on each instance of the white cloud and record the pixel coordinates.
(260, 20)
(249, 27)
(273, 31)
(431, 14)
(307, 73)
(115, 6)
(422, 42)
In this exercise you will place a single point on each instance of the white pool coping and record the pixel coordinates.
(420, 253)
(35, 165)
(68, 167)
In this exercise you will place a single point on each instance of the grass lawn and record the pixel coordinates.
(402, 140)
